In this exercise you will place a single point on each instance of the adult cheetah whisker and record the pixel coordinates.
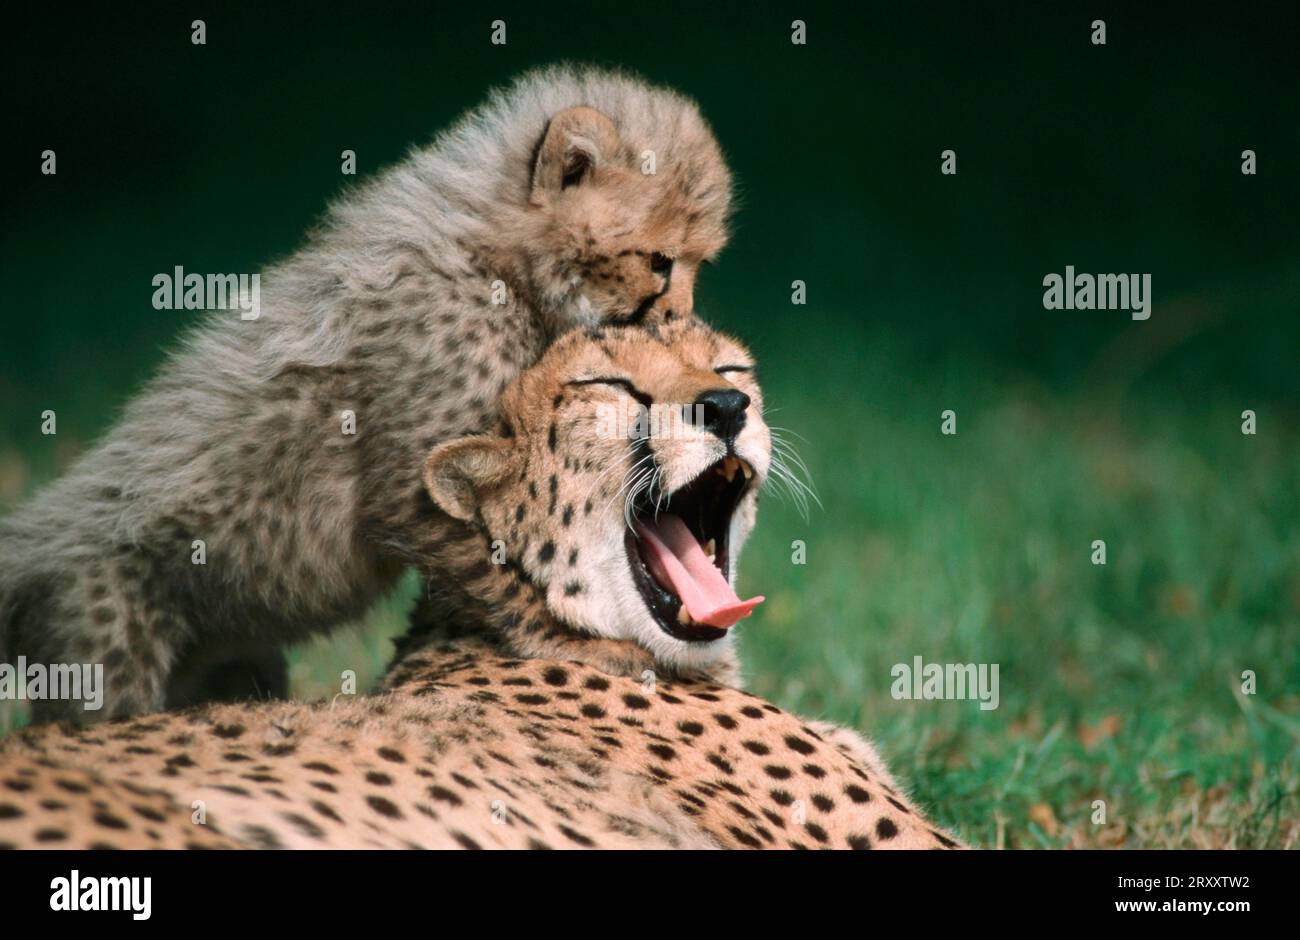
(611, 469)
(790, 475)
(631, 475)
(642, 483)
(656, 487)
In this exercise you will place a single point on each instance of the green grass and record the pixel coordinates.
(1117, 683)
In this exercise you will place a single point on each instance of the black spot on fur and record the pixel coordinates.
(720, 762)
(110, 821)
(444, 795)
(857, 794)
(304, 825)
(744, 838)
(149, 813)
(577, 837)
(384, 807)
(325, 810)
(798, 744)
(261, 837)
(463, 840)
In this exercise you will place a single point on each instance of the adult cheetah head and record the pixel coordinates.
(623, 483)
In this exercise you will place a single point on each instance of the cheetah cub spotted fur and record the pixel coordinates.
(290, 445)
(556, 698)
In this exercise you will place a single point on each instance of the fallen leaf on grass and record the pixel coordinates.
(1042, 814)
(1091, 735)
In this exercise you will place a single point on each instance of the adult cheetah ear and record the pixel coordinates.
(577, 140)
(456, 473)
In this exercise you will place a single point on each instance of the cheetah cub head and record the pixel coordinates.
(623, 482)
(626, 202)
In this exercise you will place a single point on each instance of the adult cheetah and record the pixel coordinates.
(579, 692)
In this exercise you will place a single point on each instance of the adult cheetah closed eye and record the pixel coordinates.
(557, 699)
(286, 450)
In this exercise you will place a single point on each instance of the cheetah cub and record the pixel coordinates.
(266, 485)
(570, 686)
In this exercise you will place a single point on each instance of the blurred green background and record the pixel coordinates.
(1119, 683)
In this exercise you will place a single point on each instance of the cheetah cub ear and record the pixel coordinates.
(577, 142)
(457, 472)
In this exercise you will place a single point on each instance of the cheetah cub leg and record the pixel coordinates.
(100, 615)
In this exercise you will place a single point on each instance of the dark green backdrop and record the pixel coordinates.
(1115, 158)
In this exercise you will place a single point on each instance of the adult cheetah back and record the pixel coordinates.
(46, 804)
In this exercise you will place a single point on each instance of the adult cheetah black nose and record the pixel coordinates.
(722, 411)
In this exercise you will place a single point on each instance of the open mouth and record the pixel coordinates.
(679, 557)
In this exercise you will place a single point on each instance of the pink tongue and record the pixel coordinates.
(678, 562)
